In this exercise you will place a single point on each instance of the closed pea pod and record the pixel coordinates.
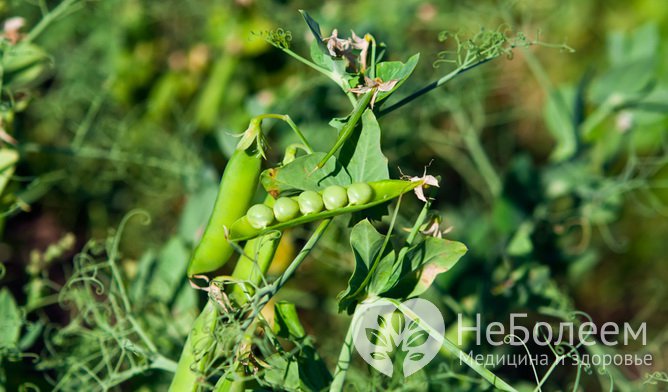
(237, 187)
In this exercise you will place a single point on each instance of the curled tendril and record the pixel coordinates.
(486, 45)
(28, 386)
(655, 378)
(279, 38)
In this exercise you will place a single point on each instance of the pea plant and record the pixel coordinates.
(127, 322)
(232, 345)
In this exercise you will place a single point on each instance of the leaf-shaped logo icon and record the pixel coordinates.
(417, 339)
(415, 356)
(381, 330)
(398, 322)
(377, 338)
(378, 355)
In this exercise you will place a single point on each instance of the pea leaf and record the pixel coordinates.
(624, 81)
(286, 321)
(169, 270)
(520, 244)
(366, 243)
(628, 47)
(423, 263)
(299, 175)
(395, 70)
(10, 322)
(8, 159)
(361, 154)
(323, 59)
(558, 115)
(315, 29)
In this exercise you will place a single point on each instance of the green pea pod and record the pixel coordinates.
(383, 191)
(196, 352)
(235, 194)
(251, 269)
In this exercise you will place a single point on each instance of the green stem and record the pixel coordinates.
(196, 351)
(478, 155)
(433, 85)
(266, 293)
(288, 120)
(348, 129)
(344, 360)
(47, 19)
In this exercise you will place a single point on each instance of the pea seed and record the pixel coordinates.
(310, 202)
(359, 193)
(260, 216)
(285, 209)
(334, 197)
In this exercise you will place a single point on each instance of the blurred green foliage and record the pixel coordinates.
(553, 169)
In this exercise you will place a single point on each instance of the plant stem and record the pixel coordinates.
(478, 154)
(344, 360)
(288, 120)
(49, 18)
(265, 294)
(431, 86)
(192, 362)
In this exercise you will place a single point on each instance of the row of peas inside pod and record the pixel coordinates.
(331, 198)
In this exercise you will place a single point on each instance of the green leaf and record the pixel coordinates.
(323, 59)
(362, 155)
(10, 322)
(170, 270)
(366, 243)
(558, 115)
(520, 244)
(283, 373)
(199, 205)
(623, 81)
(299, 175)
(315, 29)
(640, 44)
(386, 276)
(8, 159)
(437, 256)
(395, 70)
(286, 321)
(423, 263)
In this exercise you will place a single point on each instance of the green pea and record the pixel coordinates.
(260, 216)
(359, 193)
(310, 202)
(285, 209)
(334, 197)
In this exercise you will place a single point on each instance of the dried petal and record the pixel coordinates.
(427, 180)
(388, 86)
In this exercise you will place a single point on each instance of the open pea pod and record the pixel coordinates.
(383, 191)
